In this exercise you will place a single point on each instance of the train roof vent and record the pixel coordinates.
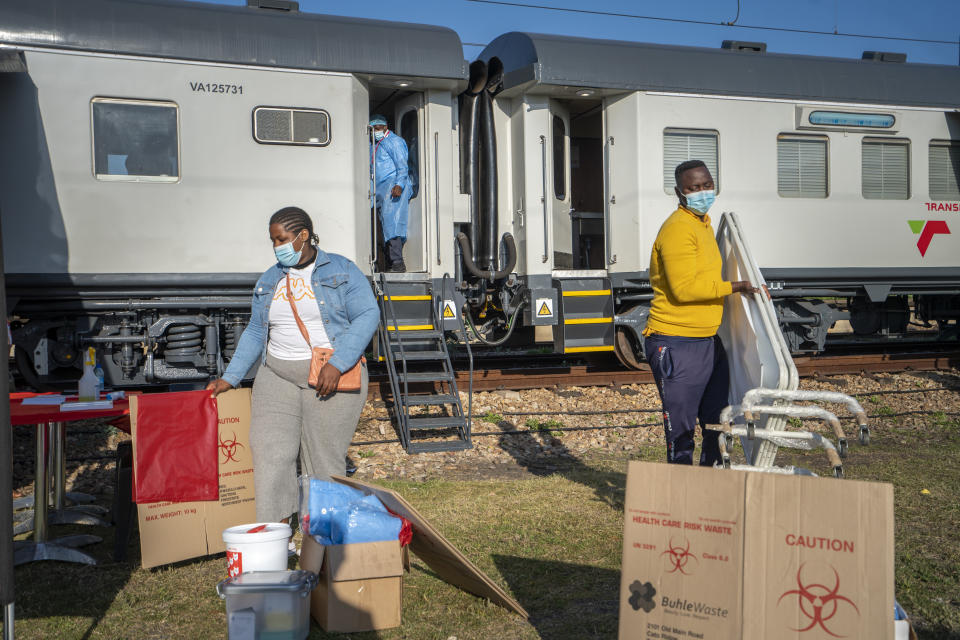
(741, 45)
(275, 5)
(884, 56)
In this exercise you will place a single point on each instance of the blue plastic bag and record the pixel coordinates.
(326, 498)
(373, 502)
(361, 522)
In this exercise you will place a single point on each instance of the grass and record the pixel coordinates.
(545, 426)
(491, 417)
(552, 540)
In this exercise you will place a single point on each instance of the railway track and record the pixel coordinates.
(497, 374)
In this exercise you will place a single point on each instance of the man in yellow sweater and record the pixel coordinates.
(688, 360)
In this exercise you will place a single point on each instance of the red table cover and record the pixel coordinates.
(176, 448)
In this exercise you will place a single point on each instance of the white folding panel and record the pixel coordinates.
(757, 353)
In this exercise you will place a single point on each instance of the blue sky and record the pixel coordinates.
(480, 23)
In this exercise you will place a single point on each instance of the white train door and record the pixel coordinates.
(408, 119)
(621, 160)
(558, 186)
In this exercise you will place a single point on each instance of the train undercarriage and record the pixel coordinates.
(188, 336)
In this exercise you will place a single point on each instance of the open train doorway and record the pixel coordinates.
(577, 161)
(404, 113)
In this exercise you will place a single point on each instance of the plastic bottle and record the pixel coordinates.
(98, 371)
(88, 383)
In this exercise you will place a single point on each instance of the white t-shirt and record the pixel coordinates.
(286, 342)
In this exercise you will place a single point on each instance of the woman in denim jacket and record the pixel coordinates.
(335, 302)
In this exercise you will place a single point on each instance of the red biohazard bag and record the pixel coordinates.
(176, 448)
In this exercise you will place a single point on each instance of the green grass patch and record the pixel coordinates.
(491, 417)
(545, 426)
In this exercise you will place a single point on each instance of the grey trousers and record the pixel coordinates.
(288, 418)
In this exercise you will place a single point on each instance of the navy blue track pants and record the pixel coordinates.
(693, 380)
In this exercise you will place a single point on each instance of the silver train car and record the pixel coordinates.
(147, 142)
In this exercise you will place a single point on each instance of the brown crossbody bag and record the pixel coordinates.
(350, 380)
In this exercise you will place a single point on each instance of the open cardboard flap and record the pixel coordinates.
(440, 555)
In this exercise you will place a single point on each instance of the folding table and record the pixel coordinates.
(50, 423)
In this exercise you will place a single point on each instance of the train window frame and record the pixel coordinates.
(669, 182)
(899, 142)
(116, 177)
(941, 197)
(292, 110)
(806, 137)
(559, 157)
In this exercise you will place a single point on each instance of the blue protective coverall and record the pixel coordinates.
(390, 161)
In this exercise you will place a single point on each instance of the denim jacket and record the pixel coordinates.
(347, 306)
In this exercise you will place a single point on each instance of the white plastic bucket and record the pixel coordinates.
(265, 549)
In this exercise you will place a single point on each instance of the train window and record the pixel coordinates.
(802, 166)
(559, 165)
(680, 145)
(286, 125)
(135, 140)
(944, 170)
(885, 169)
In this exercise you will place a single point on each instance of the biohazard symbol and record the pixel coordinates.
(544, 310)
(642, 597)
(229, 448)
(448, 311)
(679, 557)
(818, 603)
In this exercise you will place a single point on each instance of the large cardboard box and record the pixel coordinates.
(174, 531)
(730, 554)
(360, 586)
(820, 558)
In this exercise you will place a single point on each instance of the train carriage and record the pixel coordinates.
(146, 144)
(844, 172)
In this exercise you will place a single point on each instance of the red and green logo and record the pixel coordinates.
(927, 229)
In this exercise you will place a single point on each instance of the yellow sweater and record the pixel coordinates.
(685, 274)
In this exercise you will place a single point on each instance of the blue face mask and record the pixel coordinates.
(701, 201)
(378, 135)
(286, 255)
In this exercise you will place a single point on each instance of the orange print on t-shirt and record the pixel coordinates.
(298, 287)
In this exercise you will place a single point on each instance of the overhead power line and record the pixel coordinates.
(614, 14)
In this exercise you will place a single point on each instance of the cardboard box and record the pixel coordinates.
(174, 531)
(682, 573)
(715, 554)
(360, 586)
(820, 558)
(436, 551)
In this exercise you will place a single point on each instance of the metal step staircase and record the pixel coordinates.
(585, 323)
(426, 406)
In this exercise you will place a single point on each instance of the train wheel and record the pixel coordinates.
(624, 348)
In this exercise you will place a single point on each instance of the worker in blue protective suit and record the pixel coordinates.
(393, 190)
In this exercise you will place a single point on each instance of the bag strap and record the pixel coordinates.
(296, 316)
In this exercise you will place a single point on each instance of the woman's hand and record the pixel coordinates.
(328, 380)
(218, 386)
